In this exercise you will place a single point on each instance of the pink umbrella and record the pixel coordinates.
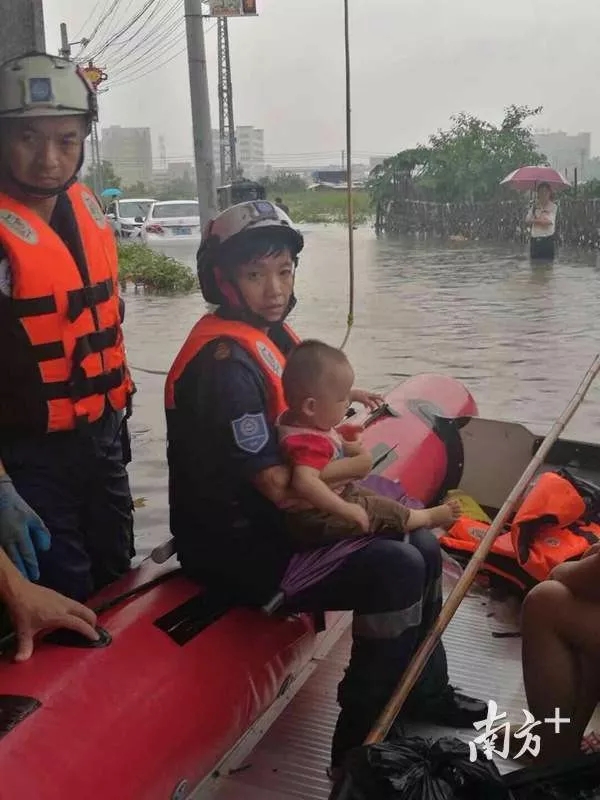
(526, 178)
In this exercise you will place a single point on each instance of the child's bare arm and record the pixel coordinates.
(307, 484)
(351, 468)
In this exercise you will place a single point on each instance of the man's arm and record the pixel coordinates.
(34, 608)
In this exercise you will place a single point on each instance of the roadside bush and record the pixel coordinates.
(154, 272)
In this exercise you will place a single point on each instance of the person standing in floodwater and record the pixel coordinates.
(279, 202)
(542, 219)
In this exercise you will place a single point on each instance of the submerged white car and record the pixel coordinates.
(171, 222)
(127, 216)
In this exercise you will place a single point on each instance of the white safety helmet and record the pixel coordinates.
(42, 85)
(246, 220)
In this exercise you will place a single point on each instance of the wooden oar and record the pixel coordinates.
(419, 660)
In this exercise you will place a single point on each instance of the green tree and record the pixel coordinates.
(395, 175)
(110, 180)
(465, 162)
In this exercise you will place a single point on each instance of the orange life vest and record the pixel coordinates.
(258, 345)
(548, 529)
(72, 324)
(463, 538)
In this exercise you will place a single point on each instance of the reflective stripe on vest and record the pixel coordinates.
(81, 363)
(257, 344)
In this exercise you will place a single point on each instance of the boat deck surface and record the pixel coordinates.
(291, 760)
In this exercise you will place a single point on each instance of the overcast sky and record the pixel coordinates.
(414, 63)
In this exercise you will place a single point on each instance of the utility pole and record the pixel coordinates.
(65, 47)
(226, 125)
(22, 26)
(97, 176)
(200, 110)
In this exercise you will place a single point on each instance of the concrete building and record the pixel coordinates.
(175, 170)
(566, 152)
(129, 150)
(22, 26)
(250, 151)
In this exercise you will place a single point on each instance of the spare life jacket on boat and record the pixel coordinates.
(556, 522)
(553, 524)
(65, 317)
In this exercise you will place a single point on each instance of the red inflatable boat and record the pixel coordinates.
(180, 678)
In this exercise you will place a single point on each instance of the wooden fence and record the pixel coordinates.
(578, 221)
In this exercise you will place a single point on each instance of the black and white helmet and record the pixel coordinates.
(242, 220)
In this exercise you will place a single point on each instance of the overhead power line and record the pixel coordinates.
(114, 35)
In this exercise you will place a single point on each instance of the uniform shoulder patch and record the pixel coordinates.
(19, 226)
(251, 432)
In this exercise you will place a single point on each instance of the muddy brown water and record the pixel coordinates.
(520, 336)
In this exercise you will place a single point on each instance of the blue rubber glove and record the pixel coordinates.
(22, 532)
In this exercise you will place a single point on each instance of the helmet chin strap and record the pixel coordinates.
(242, 312)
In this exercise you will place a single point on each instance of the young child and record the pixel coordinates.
(317, 381)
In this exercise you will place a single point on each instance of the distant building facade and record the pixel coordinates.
(566, 152)
(250, 151)
(129, 150)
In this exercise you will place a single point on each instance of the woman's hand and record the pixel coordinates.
(370, 400)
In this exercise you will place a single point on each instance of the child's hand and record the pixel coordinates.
(349, 432)
(352, 448)
(358, 516)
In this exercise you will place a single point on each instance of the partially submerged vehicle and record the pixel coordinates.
(187, 697)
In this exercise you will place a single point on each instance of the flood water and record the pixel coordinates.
(520, 336)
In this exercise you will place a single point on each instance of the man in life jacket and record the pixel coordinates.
(65, 503)
(227, 478)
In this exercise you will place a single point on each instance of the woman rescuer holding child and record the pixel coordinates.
(317, 384)
(229, 482)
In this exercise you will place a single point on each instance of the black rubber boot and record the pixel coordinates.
(451, 708)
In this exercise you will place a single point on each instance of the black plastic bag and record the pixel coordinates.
(422, 769)
(590, 493)
(576, 779)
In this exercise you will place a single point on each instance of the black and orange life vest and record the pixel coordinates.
(556, 522)
(257, 344)
(551, 525)
(72, 324)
